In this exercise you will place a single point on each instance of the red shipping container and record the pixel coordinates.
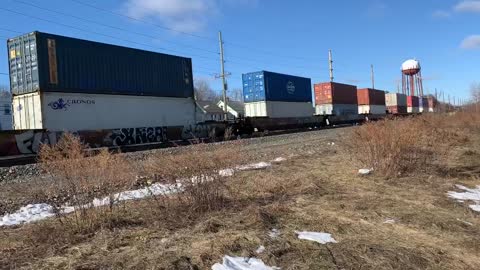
(335, 93)
(368, 96)
(397, 109)
(412, 101)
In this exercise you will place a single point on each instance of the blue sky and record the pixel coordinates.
(278, 35)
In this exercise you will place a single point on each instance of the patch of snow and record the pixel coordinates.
(274, 233)
(389, 221)
(279, 159)
(260, 249)
(226, 172)
(365, 171)
(36, 212)
(469, 194)
(254, 166)
(241, 263)
(319, 237)
(26, 214)
(475, 207)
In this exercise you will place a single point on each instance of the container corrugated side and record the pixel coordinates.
(335, 93)
(52, 63)
(397, 109)
(278, 109)
(368, 96)
(372, 109)
(75, 112)
(271, 86)
(395, 99)
(336, 109)
(412, 101)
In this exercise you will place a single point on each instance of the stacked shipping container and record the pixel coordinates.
(335, 99)
(274, 95)
(423, 104)
(412, 104)
(396, 103)
(62, 83)
(371, 101)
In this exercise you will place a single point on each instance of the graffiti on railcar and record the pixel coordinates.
(21, 142)
(25, 142)
(129, 136)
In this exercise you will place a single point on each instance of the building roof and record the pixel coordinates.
(234, 105)
(209, 107)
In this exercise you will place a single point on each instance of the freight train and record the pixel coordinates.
(111, 95)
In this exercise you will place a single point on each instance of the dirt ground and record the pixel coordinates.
(317, 188)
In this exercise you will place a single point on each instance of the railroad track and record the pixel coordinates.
(18, 160)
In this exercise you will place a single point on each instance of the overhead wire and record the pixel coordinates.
(112, 27)
(190, 34)
(236, 62)
(140, 20)
(98, 33)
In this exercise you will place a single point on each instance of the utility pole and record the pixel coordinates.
(330, 63)
(223, 76)
(444, 104)
(373, 76)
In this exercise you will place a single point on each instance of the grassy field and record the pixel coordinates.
(398, 217)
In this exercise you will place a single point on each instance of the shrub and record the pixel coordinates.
(197, 172)
(78, 176)
(394, 147)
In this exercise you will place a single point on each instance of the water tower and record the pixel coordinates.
(412, 78)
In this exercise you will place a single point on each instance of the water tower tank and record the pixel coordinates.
(411, 67)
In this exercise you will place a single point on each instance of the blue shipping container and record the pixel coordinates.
(50, 63)
(270, 86)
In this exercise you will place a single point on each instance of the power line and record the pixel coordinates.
(10, 30)
(3, 73)
(112, 27)
(274, 54)
(185, 33)
(98, 33)
(139, 20)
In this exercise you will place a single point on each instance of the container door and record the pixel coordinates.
(27, 112)
(23, 64)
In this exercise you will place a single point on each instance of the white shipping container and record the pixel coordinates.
(336, 109)
(372, 109)
(74, 112)
(5, 111)
(277, 109)
(413, 109)
(394, 99)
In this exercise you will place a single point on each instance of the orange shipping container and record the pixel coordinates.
(335, 93)
(368, 96)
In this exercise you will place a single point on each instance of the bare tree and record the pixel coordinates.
(4, 87)
(475, 92)
(236, 94)
(203, 91)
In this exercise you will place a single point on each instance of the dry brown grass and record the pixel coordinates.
(197, 172)
(396, 147)
(313, 192)
(77, 177)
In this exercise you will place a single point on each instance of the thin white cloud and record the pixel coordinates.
(441, 14)
(182, 15)
(377, 9)
(471, 43)
(468, 6)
